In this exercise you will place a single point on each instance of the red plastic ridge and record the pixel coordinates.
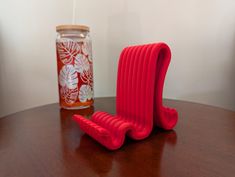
(141, 75)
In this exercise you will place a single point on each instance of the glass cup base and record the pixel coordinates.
(76, 107)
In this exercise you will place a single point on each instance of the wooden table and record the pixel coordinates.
(45, 142)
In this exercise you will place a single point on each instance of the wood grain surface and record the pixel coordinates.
(45, 142)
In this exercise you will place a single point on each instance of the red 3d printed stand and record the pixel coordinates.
(141, 74)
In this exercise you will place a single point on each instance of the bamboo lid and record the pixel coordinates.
(72, 27)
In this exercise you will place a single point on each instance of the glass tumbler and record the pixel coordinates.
(74, 66)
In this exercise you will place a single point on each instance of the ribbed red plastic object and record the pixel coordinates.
(141, 75)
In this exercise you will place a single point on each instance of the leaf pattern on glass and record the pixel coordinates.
(85, 93)
(69, 95)
(67, 50)
(68, 77)
(87, 77)
(81, 63)
(86, 49)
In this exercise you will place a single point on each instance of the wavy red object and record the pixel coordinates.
(141, 75)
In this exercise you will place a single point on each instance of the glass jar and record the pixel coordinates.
(74, 66)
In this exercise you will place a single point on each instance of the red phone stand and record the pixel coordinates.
(141, 74)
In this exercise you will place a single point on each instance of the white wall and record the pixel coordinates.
(27, 52)
(201, 34)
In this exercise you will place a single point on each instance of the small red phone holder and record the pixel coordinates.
(141, 74)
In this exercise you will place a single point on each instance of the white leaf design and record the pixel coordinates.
(87, 77)
(67, 50)
(68, 77)
(86, 49)
(69, 95)
(81, 63)
(85, 93)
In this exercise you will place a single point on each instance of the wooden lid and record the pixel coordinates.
(72, 27)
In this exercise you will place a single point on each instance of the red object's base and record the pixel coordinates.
(141, 75)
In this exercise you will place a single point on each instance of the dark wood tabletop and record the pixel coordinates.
(45, 142)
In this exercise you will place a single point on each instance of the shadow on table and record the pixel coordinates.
(135, 158)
